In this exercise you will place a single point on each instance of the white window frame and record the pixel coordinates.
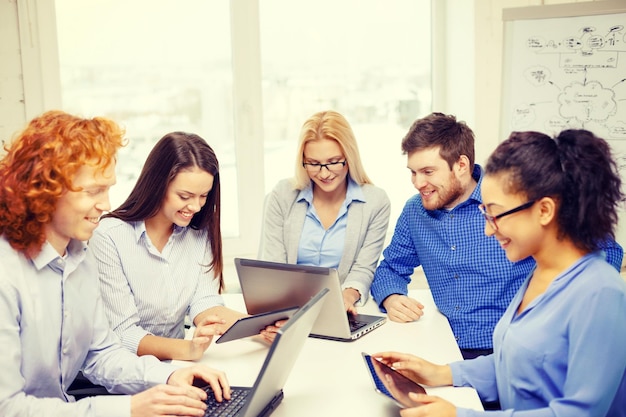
(42, 91)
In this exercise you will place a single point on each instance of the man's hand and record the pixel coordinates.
(179, 397)
(168, 400)
(403, 309)
(185, 377)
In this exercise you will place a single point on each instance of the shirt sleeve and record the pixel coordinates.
(107, 362)
(119, 302)
(272, 246)
(400, 259)
(478, 373)
(116, 368)
(361, 273)
(207, 293)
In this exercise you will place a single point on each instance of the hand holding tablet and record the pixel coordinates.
(252, 325)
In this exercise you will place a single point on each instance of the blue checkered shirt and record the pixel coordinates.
(471, 280)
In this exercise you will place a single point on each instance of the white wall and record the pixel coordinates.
(11, 88)
(488, 68)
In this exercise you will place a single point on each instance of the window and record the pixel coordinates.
(367, 59)
(203, 66)
(155, 67)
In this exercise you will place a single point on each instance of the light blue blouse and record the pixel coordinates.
(324, 247)
(150, 292)
(564, 355)
(53, 325)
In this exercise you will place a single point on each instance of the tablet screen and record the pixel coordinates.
(391, 383)
(252, 325)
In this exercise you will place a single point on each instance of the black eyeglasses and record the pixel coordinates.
(334, 167)
(492, 219)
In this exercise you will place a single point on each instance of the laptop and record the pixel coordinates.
(263, 397)
(392, 384)
(269, 286)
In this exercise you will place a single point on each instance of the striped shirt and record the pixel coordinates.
(150, 292)
(471, 280)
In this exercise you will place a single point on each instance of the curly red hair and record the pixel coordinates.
(39, 166)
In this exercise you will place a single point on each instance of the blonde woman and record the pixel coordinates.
(329, 214)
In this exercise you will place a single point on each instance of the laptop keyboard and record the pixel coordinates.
(227, 408)
(355, 324)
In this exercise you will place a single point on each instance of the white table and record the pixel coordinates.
(330, 378)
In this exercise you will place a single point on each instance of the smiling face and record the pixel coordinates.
(185, 196)
(520, 234)
(438, 185)
(78, 212)
(324, 151)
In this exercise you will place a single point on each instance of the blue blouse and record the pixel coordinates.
(324, 247)
(564, 355)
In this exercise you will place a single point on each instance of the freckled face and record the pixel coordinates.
(186, 195)
(437, 184)
(78, 212)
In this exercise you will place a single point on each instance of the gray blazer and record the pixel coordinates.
(283, 220)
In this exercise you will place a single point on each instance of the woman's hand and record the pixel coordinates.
(350, 297)
(417, 369)
(207, 327)
(269, 332)
(431, 407)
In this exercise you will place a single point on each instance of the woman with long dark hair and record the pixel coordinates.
(160, 253)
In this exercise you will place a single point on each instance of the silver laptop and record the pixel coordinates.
(269, 286)
(267, 392)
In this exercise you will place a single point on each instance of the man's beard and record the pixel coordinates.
(447, 197)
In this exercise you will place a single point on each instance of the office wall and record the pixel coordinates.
(488, 68)
(11, 87)
(27, 39)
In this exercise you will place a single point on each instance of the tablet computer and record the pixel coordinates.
(391, 383)
(252, 325)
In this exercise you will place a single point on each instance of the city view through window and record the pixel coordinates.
(157, 66)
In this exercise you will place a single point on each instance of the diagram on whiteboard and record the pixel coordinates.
(569, 73)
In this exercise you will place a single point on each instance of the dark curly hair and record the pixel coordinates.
(576, 168)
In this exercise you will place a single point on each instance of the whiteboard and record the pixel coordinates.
(564, 66)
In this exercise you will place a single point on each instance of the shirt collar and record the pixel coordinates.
(48, 255)
(477, 174)
(140, 230)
